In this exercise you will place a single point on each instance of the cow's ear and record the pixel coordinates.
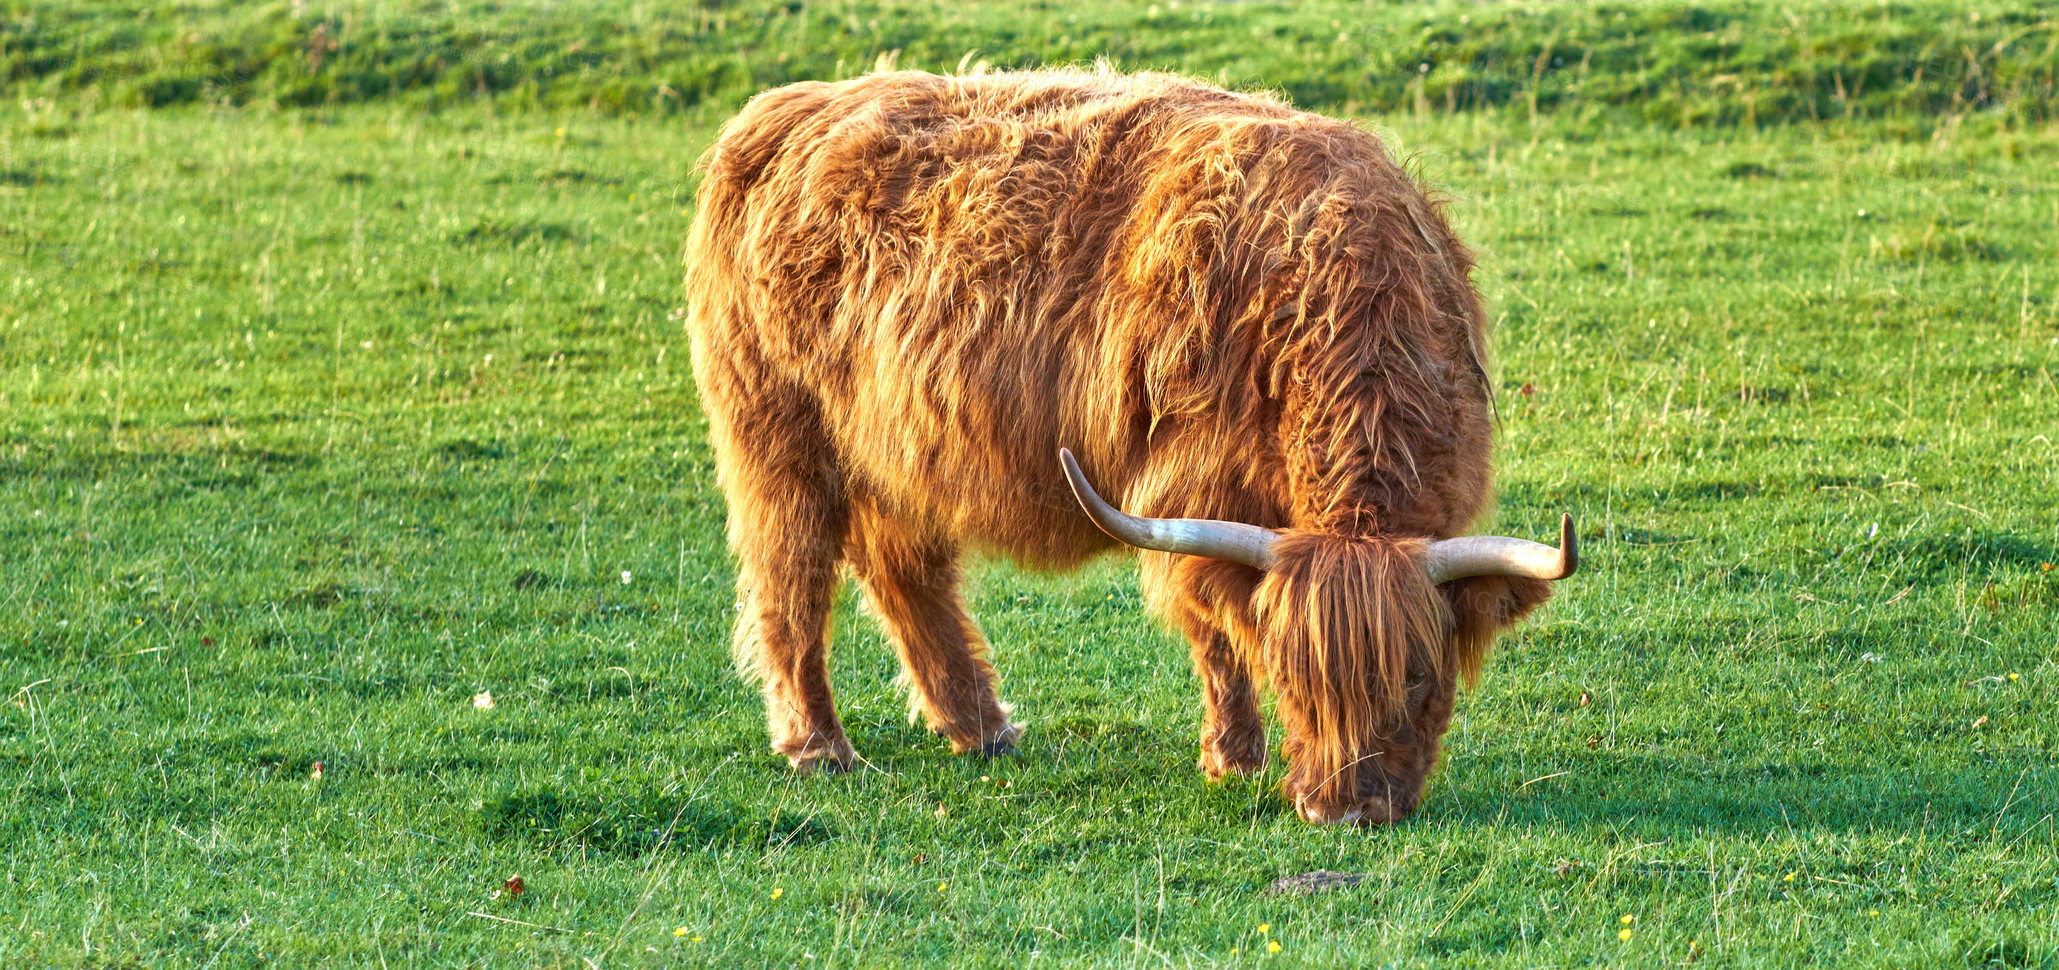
(1482, 606)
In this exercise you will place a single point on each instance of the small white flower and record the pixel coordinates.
(483, 700)
(625, 577)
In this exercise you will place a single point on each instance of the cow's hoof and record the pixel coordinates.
(1366, 812)
(1220, 759)
(1216, 768)
(827, 760)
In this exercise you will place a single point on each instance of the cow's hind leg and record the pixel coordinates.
(911, 584)
(782, 639)
(786, 520)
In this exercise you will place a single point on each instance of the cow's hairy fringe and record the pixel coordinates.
(1344, 622)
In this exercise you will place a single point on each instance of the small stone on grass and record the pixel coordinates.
(1320, 881)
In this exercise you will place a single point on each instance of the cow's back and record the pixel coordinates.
(967, 273)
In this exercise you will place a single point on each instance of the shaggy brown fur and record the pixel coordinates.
(908, 291)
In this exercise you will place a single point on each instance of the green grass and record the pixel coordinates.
(1720, 62)
(316, 423)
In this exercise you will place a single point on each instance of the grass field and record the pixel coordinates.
(317, 422)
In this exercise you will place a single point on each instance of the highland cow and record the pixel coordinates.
(908, 293)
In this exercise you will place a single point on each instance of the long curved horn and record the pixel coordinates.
(1445, 559)
(1213, 538)
(1449, 559)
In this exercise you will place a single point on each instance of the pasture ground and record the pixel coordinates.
(315, 424)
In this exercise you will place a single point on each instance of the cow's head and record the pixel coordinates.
(1362, 637)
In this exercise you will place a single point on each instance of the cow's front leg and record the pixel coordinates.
(1207, 600)
(1232, 731)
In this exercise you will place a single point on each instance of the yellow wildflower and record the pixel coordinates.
(1628, 919)
(679, 932)
(778, 892)
(1272, 946)
(1265, 927)
(1625, 934)
(1789, 877)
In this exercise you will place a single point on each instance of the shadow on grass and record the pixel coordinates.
(1951, 556)
(1665, 797)
(631, 825)
(202, 468)
(1081, 764)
